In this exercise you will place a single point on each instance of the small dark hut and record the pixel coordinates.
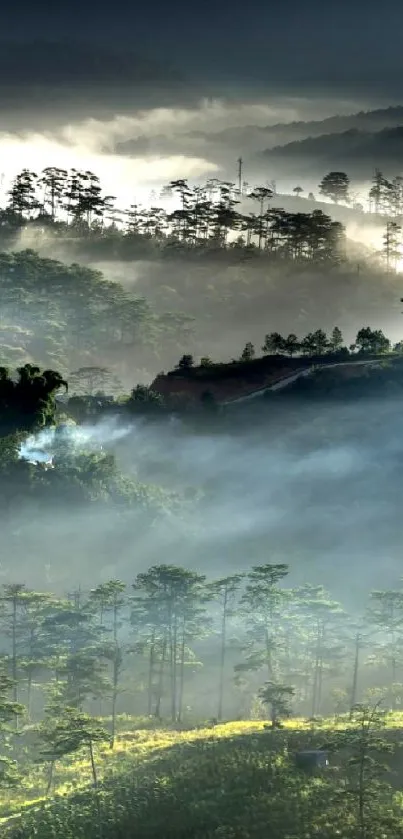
(312, 760)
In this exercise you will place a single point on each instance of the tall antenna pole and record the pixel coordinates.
(240, 163)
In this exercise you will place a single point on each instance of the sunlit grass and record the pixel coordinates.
(133, 745)
(137, 743)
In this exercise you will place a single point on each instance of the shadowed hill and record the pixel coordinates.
(250, 139)
(222, 783)
(355, 150)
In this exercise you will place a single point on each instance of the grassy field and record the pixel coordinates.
(234, 780)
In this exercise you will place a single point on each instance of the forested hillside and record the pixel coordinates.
(132, 290)
(161, 566)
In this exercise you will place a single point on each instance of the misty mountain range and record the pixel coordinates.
(357, 143)
(357, 152)
(281, 134)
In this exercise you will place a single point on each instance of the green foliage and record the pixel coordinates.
(186, 362)
(261, 605)
(60, 314)
(336, 339)
(110, 599)
(144, 400)
(300, 637)
(29, 402)
(277, 697)
(248, 352)
(219, 785)
(372, 341)
(335, 185)
(168, 611)
(274, 343)
(366, 769)
(67, 732)
(315, 343)
(92, 381)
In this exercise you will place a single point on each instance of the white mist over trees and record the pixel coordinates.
(174, 564)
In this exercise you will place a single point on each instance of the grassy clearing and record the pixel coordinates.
(236, 777)
(133, 745)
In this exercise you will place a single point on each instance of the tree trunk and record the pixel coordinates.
(174, 641)
(320, 684)
(160, 688)
(354, 686)
(113, 714)
(316, 674)
(268, 652)
(222, 657)
(29, 695)
(95, 779)
(181, 673)
(93, 767)
(14, 657)
(151, 674)
(50, 778)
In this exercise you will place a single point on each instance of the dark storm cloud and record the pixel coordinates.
(259, 43)
(44, 81)
(45, 62)
(153, 62)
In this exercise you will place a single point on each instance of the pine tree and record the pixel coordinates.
(248, 352)
(53, 181)
(291, 344)
(261, 608)
(65, 730)
(277, 696)
(385, 613)
(274, 343)
(10, 711)
(76, 649)
(170, 601)
(374, 809)
(335, 185)
(110, 598)
(336, 339)
(224, 592)
(392, 245)
(23, 199)
(261, 194)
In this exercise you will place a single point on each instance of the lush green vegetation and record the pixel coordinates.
(316, 347)
(202, 215)
(67, 660)
(169, 646)
(64, 316)
(206, 268)
(235, 780)
(176, 646)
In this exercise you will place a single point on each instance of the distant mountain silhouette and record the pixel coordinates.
(255, 137)
(355, 151)
(300, 150)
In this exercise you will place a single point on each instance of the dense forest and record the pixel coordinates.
(98, 667)
(179, 646)
(170, 649)
(197, 215)
(89, 475)
(132, 291)
(193, 214)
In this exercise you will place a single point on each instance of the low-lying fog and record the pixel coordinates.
(317, 486)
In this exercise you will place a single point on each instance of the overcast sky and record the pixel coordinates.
(155, 69)
(352, 42)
